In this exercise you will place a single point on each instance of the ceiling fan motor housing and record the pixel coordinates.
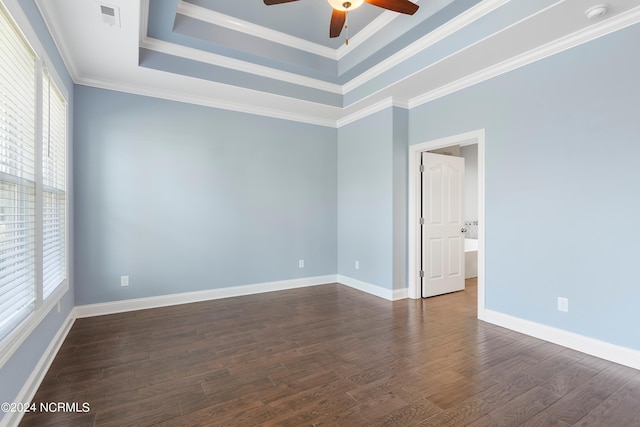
(341, 7)
(345, 5)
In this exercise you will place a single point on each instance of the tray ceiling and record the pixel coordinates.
(279, 60)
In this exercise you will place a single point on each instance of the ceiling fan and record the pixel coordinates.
(342, 7)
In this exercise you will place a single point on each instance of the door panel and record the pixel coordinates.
(442, 236)
(436, 258)
(435, 194)
(454, 256)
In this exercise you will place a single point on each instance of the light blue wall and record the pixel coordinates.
(365, 187)
(16, 371)
(470, 154)
(372, 161)
(400, 191)
(562, 175)
(186, 198)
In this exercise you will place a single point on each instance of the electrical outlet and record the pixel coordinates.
(124, 280)
(563, 304)
(301, 263)
(357, 265)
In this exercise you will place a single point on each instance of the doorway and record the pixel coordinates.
(442, 231)
(414, 249)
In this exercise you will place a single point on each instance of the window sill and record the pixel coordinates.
(14, 341)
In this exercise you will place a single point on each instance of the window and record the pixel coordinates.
(33, 120)
(54, 200)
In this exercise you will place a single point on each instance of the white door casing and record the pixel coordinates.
(442, 231)
(414, 243)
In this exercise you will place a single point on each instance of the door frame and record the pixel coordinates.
(413, 223)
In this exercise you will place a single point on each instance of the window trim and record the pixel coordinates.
(12, 342)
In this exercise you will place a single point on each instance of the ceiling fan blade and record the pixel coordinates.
(271, 2)
(338, 17)
(401, 6)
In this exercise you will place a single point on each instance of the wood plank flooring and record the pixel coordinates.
(327, 356)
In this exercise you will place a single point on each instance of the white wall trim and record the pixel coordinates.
(379, 291)
(363, 35)
(451, 27)
(29, 33)
(400, 294)
(196, 12)
(557, 46)
(246, 27)
(585, 35)
(207, 101)
(99, 309)
(604, 350)
(372, 109)
(237, 65)
(123, 306)
(342, 118)
(30, 388)
(16, 338)
(55, 32)
(364, 112)
(413, 249)
(220, 19)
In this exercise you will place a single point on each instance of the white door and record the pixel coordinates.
(442, 218)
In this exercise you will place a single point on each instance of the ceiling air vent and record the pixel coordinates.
(110, 15)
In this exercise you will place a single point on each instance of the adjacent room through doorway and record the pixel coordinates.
(469, 246)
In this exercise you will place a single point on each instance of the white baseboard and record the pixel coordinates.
(28, 391)
(113, 307)
(400, 294)
(604, 350)
(376, 290)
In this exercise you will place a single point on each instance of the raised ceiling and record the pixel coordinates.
(279, 60)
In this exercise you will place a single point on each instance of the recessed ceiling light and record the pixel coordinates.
(596, 11)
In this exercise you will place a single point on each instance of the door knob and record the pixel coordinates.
(463, 230)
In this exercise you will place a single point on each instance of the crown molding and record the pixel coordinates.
(469, 16)
(216, 18)
(361, 36)
(590, 33)
(236, 64)
(335, 117)
(567, 42)
(366, 111)
(179, 96)
(56, 34)
(401, 103)
(197, 12)
(372, 28)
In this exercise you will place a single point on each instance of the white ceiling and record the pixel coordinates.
(279, 61)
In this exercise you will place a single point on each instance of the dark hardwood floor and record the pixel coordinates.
(327, 356)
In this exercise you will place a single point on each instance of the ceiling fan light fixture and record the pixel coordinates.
(343, 5)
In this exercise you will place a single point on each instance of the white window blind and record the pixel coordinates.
(17, 177)
(33, 199)
(54, 113)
